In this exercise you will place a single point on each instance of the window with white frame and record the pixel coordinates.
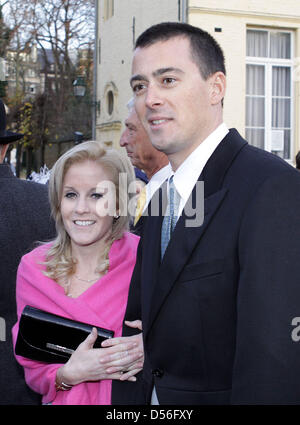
(269, 93)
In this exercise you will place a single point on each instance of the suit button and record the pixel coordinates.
(158, 373)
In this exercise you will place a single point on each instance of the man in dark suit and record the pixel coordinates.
(24, 219)
(217, 292)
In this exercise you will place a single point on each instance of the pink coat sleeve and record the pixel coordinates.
(39, 376)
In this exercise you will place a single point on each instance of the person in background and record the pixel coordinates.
(216, 282)
(84, 274)
(144, 156)
(24, 219)
(141, 179)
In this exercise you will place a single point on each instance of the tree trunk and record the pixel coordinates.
(29, 161)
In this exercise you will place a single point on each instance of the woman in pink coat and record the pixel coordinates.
(84, 275)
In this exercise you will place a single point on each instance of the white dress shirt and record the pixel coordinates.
(156, 181)
(189, 171)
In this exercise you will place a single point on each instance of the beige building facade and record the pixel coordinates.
(22, 73)
(261, 43)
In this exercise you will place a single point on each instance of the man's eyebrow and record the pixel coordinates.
(137, 77)
(160, 71)
(166, 70)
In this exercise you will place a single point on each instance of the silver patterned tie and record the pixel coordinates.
(170, 219)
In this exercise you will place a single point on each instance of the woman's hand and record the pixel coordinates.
(86, 364)
(125, 355)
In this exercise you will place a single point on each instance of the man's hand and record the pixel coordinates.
(124, 354)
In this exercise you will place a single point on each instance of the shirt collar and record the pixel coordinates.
(156, 181)
(161, 175)
(189, 171)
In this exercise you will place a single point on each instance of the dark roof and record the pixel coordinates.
(49, 59)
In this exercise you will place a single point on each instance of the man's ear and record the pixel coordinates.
(218, 87)
(3, 150)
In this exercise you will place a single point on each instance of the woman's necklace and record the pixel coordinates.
(86, 280)
(101, 269)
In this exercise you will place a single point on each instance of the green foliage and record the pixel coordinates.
(27, 124)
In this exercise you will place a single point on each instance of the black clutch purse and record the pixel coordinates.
(50, 338)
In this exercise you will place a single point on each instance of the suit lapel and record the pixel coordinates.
(151, 247)
(184, 239)
(220, 161)
(177, 253)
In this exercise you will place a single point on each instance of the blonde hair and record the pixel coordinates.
(59, 262)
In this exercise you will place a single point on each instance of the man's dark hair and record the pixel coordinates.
(298, 160)
(205, 51)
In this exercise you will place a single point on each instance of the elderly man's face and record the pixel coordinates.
(136, 142)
